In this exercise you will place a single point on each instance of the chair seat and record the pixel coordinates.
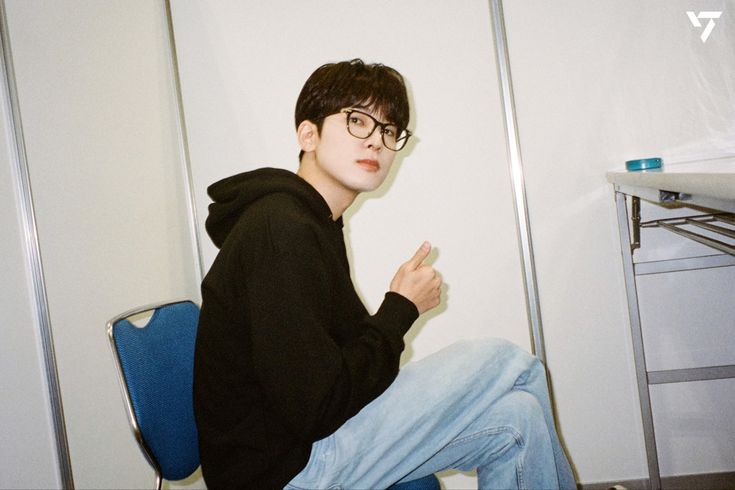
(430, 482)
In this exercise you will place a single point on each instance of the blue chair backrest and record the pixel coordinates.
(157, 363)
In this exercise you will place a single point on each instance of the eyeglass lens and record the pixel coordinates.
(361, 125)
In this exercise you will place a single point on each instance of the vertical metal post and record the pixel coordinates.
(635, 218)
(533, 308)
(33, 252)
(184, 143)
(637, 338)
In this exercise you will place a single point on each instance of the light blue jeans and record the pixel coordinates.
(480, 404)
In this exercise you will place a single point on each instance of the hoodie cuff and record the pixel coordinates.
(398, 310)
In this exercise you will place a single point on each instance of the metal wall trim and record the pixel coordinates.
(184, 143)
(533, 308)
(33, 252)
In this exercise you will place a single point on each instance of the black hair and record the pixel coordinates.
(354, 83)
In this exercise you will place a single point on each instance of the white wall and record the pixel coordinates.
(28, 451)
(595, 84)
(241, 76)
(242, 67)
(598, 83)
(99, 114)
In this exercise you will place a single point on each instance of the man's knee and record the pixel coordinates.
(521, 411)
(484, 345)
(495, 350)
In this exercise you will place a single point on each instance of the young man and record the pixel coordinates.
(296, 384)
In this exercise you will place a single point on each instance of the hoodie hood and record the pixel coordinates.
(233, 195)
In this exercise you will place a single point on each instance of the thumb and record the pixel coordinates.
(420, 255)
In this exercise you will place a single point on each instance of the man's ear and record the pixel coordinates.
(308, 135)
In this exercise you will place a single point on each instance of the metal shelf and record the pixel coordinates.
(676, 225)
(719, 234)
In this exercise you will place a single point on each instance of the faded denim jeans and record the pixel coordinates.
(479, 404)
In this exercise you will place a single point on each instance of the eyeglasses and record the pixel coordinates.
(362, 125)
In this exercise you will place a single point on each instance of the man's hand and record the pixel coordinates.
(418, 281)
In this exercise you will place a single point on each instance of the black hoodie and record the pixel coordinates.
(286, 352)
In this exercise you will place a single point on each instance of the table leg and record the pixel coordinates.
(637, 338)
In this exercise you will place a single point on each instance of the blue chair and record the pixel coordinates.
(430, 482)
(156, 371)
(155, 367)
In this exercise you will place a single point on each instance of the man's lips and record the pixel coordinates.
(369, 164)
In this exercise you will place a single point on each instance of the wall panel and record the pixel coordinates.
(598, 83)
(27, 452)
(99, 112)
(242, 67)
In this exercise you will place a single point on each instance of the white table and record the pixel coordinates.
(707, 184)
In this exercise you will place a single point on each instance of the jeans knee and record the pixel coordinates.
(521, 412)
(528, 409)
(485, 346)
(486, 364)
(497, 350)
(517, 414)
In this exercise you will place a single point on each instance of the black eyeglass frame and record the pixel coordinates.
(349, 110)
(400, 142)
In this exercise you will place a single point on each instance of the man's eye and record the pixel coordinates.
(356, 121)
(390, 131)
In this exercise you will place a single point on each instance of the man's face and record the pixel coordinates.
(358, 165)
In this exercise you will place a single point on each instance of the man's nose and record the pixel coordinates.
(375, 140)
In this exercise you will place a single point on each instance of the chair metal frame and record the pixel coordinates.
(124, 385)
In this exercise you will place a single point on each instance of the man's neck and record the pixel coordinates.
(336, 196)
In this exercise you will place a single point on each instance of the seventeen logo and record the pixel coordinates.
(704, 15)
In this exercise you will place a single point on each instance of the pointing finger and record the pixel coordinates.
(420, 255)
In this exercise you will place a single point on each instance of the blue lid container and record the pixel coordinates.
(643, 164)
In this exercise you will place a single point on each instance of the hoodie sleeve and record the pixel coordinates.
(313, 381)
